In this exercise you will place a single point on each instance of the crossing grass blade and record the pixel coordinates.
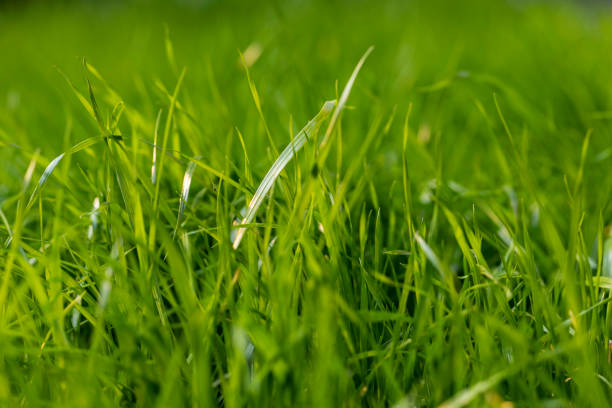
(283, 159)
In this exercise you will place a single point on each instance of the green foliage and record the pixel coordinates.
(443, 240)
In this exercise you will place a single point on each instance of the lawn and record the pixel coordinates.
(305, 203)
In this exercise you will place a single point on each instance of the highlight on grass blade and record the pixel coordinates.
(93, 217)
(7, 225)
(154, 165)
(53, 164)
(44, 178)
(280, 163)
(251, 54)
(185, 192)
(27, 178)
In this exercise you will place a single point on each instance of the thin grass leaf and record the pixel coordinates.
(94, 104)
(8, 228)
(92, 70)
(78, 94)
(49, 170)
(154, 166)
(397, 252)
(43, 179)
(27, 178)
(93, 217)
(247, 168)
(445, 273)
(94, 107)
(185, 192)
(344, 97)
(280, 163)
(115, 116)
(170, 50)
(257, 101)
(167, 130)
(156, 194)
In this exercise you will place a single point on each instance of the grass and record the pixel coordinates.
(441, 238)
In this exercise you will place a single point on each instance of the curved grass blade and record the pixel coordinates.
(280, 163)
(8, 229)
(78, 94)
(27, 178)
(45, 177)
(49, 170)
(91, 106)
(94, 104)
(115, 116)
(344, 97)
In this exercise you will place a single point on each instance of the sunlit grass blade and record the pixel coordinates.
(185, 192)
(43, 179)
(154, 165)
(53, 164)
(285, 157)
(344, 97)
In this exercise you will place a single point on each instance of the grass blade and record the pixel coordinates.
(45, 176)
(280, 163)
(154, 166)
(185, 192)
(257, 101)
(53, 164)
(344, 97)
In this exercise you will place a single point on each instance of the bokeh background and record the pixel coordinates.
(447, 58)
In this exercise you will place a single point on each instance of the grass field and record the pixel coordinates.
(443, 238)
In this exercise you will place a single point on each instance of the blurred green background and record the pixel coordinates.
(548, 62)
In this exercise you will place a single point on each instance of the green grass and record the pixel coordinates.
(443, 239)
